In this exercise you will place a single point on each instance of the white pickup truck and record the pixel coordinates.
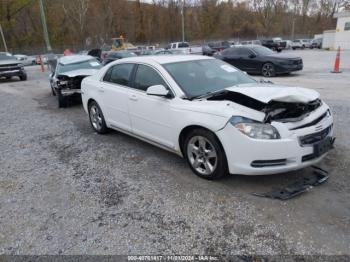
(185, 48)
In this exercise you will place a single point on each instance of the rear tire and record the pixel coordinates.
(97, 119)
(268, 70)
(205, 154)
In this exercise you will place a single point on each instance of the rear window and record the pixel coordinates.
(182, 45)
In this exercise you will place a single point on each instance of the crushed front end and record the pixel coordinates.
(69, 85)
(291, 136)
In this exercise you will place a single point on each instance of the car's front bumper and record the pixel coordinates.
(282, 69)
(260, 157)
(10, 73)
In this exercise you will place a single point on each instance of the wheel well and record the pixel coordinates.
(90, 101)
(268, 62)
(184, 132)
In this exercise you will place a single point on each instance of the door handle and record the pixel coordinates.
(133, 97)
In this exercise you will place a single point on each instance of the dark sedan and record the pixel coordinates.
(257, 59)
(112, 56)
(210, 48)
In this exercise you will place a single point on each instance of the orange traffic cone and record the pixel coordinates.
(337, 62)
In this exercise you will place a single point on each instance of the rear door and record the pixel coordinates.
(151, 116)
(114, 93)
(231, 56)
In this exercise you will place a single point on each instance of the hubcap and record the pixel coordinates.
(268, 70)
(202, 155)
(95, 117)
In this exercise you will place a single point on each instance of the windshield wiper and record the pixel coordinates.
(210, 94)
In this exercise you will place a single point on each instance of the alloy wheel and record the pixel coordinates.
(268, 70)
(202, 155)
(96, 117)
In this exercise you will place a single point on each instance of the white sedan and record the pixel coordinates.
(218, 118)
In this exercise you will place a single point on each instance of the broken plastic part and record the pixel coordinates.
(318, 177)
(274, 110)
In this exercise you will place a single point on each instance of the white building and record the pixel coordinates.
(332, 39)
(342, 31)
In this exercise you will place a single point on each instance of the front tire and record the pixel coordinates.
(62, 100)
(97, 119)
(23, 77)
(205, 155)
(268, 70)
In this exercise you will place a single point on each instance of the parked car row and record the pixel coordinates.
(256, 59)
(10, 66)
(209, 112)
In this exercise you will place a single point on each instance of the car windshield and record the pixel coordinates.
(199, 77)
(87, 64)
(261, 50)
(6, 56)
(123, 54)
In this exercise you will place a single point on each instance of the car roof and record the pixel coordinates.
(165, 59)
(71, 59)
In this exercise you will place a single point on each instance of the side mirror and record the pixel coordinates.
(158, 90)
(252, 56)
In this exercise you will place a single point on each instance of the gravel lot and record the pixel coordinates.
(66, 190)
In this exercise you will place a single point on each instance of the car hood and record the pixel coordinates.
(266, 93)
(9, 62)
(80, 72)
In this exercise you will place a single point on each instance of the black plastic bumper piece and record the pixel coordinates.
(318, 177)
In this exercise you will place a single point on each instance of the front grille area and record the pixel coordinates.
(308, 157)
(298, 62)
(4, 68)
(312, 123)
(267, 163)
(315, 137)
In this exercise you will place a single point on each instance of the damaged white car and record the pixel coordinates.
(218, 118)
(67, 74)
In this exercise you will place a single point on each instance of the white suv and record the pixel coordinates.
(218, 118)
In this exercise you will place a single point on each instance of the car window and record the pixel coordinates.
(119, 74)
(347, 26)
(182, 45)
(244, 52)
(87, 64)
(199, 77)
(5, 56)
(230, 51)
(146, 77)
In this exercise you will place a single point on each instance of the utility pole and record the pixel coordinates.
(3, 38)
(183, 21)
(43, 22)
(293, 28)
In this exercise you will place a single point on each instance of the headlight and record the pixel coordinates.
(21, 66)
(62, 83)
(254, 129)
